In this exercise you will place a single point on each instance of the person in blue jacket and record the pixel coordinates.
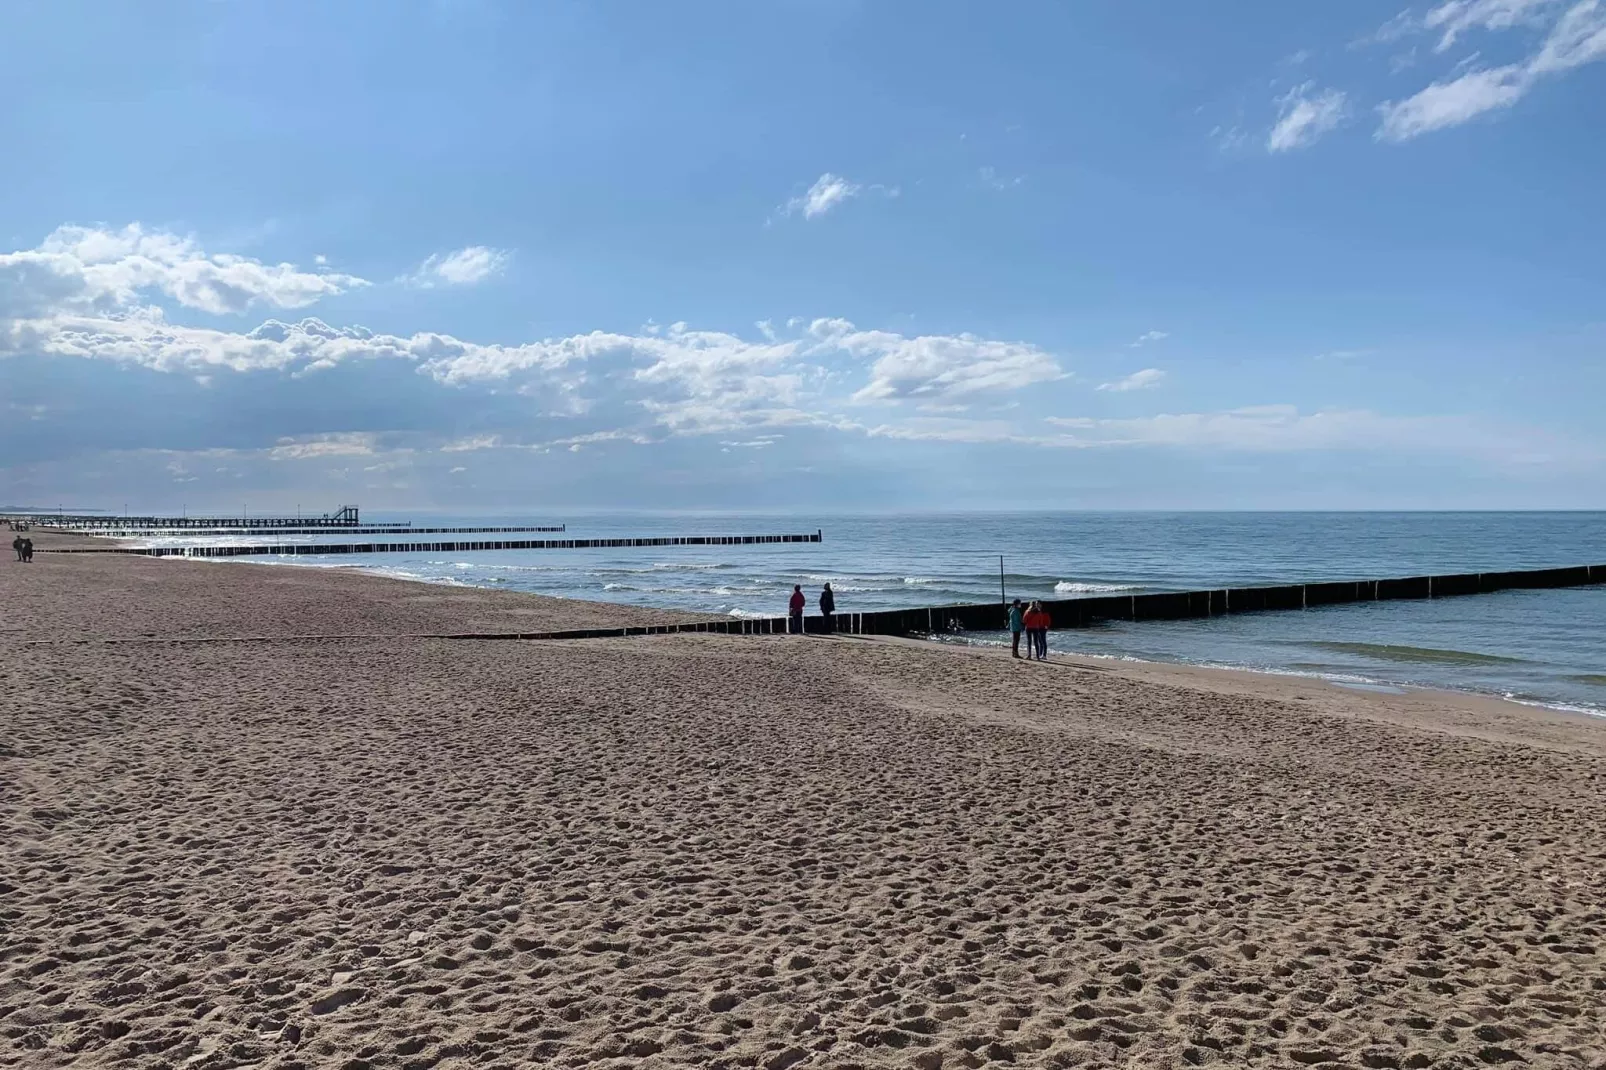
(1017, 624)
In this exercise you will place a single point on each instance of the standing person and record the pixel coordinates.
(1040, 632)
(1017, 624)
(795, 610)
(828, 609)
(16, 544)
(27, 550)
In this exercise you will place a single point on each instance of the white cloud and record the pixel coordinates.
(954, 429)
(827, 192)
(1147, 337)
(91, 269)
(1577, 37)
(1304, 116)
(465, 267)
(935, 368)
(575, 442)
(1451, 103)
(1256, 429)
(474, 442)
(1139, 380)
(1400, 26)
(1283, 428)
(1228, 139)
(992, 178)
(1455, 17)
(338, 444)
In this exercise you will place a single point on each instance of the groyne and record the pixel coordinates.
(318, 549)
(1178, 605)
(374, 529)
(1082, 612)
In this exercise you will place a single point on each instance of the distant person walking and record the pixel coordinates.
(795, 610)
(1017, 624)
(828, 609)
(1037, 625)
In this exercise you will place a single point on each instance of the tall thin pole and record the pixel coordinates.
(1003, 599)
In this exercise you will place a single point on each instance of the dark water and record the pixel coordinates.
(1542, 646)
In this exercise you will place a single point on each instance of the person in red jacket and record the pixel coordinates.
(796, 609)
(1037, 625)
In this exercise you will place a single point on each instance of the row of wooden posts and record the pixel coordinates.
(1178, 605)
(376, 529)
(304, 549)
(1082, 612)
(931, 620)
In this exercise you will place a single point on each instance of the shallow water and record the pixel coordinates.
(1543, 646)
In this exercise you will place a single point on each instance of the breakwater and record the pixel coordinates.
(1178, 605)
(374, 529)
(317, 549)
(1082, 612)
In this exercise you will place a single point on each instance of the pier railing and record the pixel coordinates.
(346, 516)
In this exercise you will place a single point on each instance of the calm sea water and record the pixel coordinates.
(1537, 646)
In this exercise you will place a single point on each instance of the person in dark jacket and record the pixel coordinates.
(16, 544)
(795, 610)
(828, 609)
(27, 550)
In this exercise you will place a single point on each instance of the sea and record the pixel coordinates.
(1546, 647)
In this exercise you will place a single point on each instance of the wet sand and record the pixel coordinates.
(750, 852)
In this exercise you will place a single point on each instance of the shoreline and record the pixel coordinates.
(593, 613)
(1358, 685)
(383, 572)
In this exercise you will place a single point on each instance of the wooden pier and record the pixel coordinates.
(347, 516)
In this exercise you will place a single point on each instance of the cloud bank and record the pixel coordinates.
(93, 321)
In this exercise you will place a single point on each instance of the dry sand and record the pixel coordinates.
(752, 852)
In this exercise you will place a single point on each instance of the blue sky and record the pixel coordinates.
(469, 256)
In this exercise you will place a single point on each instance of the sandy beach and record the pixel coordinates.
(393, 852)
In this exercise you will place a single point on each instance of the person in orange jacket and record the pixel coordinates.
(1037, 624)
(795, 606)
